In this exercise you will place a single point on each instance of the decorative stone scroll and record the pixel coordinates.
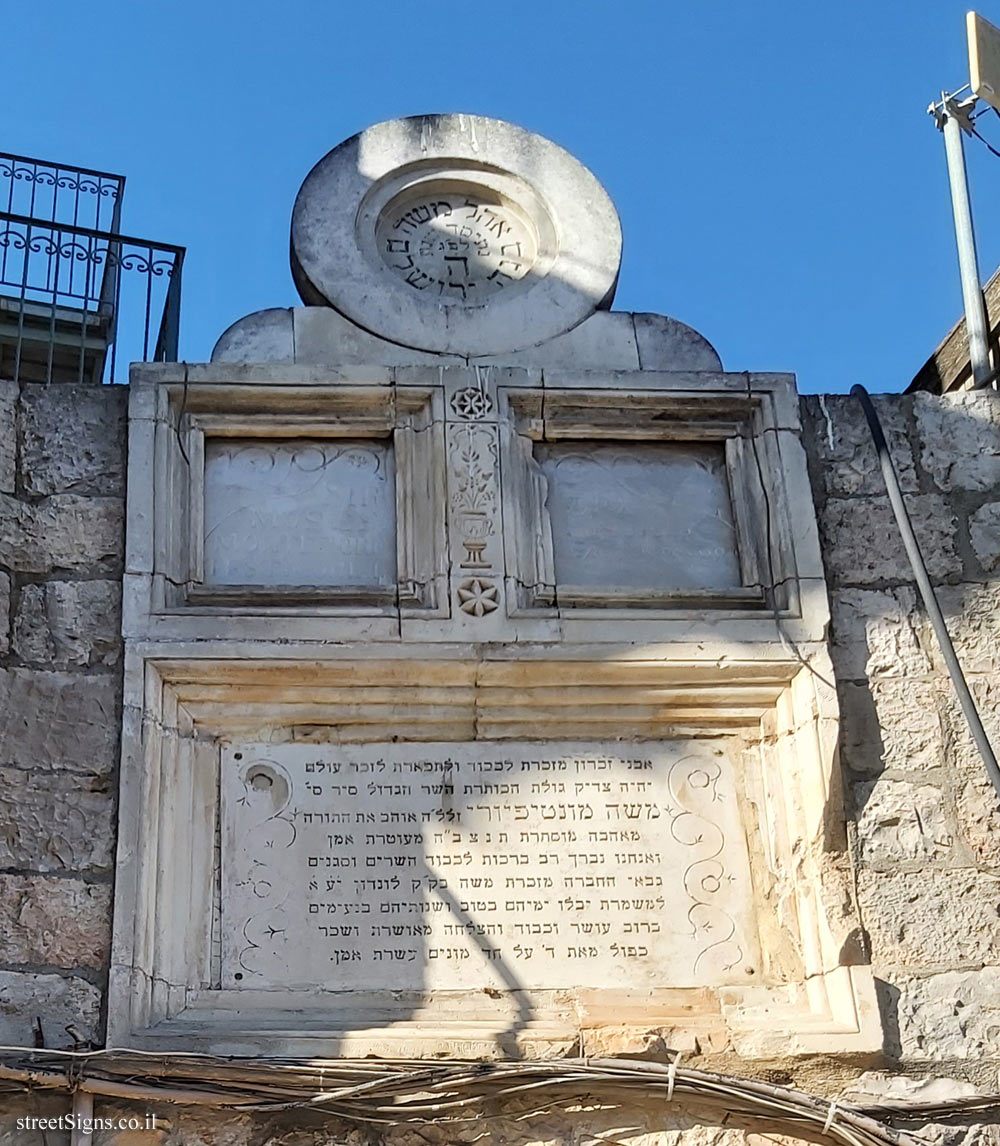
(431, 866)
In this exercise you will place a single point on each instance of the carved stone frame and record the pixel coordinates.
(739, 423)
(168, 427)
(181, 708)
(197, 677)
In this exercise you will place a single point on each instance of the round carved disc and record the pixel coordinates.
(456, 234)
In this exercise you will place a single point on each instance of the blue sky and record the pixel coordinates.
(780, 186)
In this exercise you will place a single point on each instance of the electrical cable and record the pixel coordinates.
(927, 593)
(982, 139)
(408, 1092)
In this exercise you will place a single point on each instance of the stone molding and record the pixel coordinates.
(480, 571)
(180, 709)
(478, 648)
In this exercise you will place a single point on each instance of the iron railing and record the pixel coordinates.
(79, 300)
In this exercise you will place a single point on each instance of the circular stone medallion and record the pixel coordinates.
(456, 242)
(455, 234)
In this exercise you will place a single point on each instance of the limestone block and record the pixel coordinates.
(656, 1044)
(308, 512)
(892, 724)
(4, 612)
(978, 1134)
(55, 822)
(194, 1126)
(604, 341)
(55, 922)
(840, 446)
(43, 1104)
(979, 818)
(984, 530)
(68, 623)
(8, 435)
(862, 545)
(666, 344)
(73, 439)
(321, 334)
(955, 1015)
(59, 720)
(264, 336)
(972, 614)
(880, 1084)
(877, 1086)
(59, 1002)
(608, 499)
(64, 531)
(898, 820)
(934, 918)
(874, 634)
(963, 756)
(960, 434)
(270, 896)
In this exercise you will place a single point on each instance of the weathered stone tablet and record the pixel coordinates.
(436, 866)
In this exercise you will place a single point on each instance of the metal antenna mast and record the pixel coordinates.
(953, 118)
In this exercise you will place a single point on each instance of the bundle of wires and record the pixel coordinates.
(395, 1092)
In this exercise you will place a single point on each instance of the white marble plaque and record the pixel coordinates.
(640, 515)
(299, 512)
(489, 865)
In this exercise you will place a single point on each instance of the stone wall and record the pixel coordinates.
(925, 820)
(924, 827)
(62, 484)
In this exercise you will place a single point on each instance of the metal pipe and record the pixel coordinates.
(80, 1133)
(926, 589)
(976, 326)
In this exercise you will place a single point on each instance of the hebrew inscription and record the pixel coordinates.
(299, 513)
(475, 866)
(641, 515)
(455, 247)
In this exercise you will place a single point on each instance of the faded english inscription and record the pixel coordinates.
(455, 247)
(428, 866)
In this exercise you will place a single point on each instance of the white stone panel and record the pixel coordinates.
(477, 866)
(650, 515)
(302, 512)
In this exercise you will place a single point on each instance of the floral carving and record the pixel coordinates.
(477, 597)
(471, 403)
(474, 454)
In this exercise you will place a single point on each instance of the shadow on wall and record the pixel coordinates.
(926, 819)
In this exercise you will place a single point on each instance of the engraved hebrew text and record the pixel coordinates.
(428, 866)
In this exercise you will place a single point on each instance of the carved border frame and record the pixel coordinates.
(739, 423)
(180, 709)
(168, 427)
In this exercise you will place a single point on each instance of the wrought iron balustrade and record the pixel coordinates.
(78, 299)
